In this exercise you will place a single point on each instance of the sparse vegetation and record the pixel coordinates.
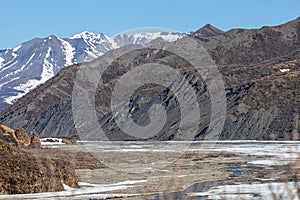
(22, 172)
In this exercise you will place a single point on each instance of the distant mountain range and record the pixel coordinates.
(260, 69)
(34, 62)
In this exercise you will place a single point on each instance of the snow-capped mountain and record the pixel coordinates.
(34, 62)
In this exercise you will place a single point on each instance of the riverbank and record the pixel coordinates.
(146, 170)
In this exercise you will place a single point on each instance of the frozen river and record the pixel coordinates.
(157, 157)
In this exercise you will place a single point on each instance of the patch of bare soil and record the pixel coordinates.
(162, 176)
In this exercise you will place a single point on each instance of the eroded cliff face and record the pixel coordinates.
(19, 137)
(260, 69)
(28, 173)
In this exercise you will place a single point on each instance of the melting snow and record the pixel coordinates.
(267, 191)
(51, 141)
(1, 61)
(114, 45)
(47, 73)
(284, 70)
(91, 54)
(93, 40)
(139, 37)
(279, 153)
(10, 63)
(7, 66)
(14, 55)
(85, 188)
(48, 69)
(12, 99)
(88, 36)
(25, 65)
(68, 51)
(48, 52)
(28, 86)
(98, 44)
(17, 48)
(11, 80)
(79, 35)
(268, 162)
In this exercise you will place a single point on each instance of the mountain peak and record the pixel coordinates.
(208, 26)
(84, 34)
(208, 30)
(51, 37)
(42, 58)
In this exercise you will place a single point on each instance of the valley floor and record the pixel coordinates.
(178, 170)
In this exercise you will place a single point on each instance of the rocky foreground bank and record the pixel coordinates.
(23, 172)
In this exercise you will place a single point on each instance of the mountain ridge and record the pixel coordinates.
(35, 61)
(261, 72)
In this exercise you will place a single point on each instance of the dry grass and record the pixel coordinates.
(201, 156)
(22, 172)
(81, 160)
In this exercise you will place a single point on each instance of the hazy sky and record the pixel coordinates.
(22, 20)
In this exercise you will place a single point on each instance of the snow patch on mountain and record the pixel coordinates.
(5, 83)
(91, 54)
(80, 35)
(47, 73)
(17, 48)
(32, 63)
(68, 51)
(142, 38)
(10, 100)
(48, 52)
(25, 65)
(284, 70)
(48, 68)
(93, 40)
(2, 60)
(86, 36)
(113, 43)
(14, 55)
(8, 74)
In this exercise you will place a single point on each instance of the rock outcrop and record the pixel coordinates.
(35, 141)
(19, 137)
(23, 139)
(22, 172)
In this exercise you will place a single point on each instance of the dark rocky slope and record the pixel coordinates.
(262, 101)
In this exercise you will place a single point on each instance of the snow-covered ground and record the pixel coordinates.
(267, 152)
(265, 191)
(51, 141)
(284, 70)
(86, 189)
